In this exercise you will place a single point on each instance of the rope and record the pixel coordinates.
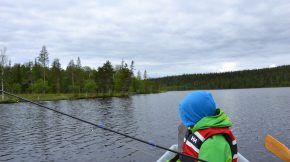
(102, 127)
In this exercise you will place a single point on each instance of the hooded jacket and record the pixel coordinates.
(216, 148)
(198, 111)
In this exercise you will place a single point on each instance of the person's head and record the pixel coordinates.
(195, 106)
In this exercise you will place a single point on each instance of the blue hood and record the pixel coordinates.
(195, 106)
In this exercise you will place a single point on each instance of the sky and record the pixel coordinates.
(163, 37)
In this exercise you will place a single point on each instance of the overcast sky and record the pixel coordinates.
(165, 37)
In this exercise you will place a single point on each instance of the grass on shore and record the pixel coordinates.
(60, 96)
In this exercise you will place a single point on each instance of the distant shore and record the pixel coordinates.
(60, 96)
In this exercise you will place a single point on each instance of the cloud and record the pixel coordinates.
(165, 37)
(228, 66)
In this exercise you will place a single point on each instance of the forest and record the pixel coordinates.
(40, 77)
(257, 78)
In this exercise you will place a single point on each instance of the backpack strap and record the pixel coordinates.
(233, 146)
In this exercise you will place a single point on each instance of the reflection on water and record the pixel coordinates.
(30, 133)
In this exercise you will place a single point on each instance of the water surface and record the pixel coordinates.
(31, 133)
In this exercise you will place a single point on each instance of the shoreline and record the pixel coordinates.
(60, 96)
(63, 96)
(76, 96)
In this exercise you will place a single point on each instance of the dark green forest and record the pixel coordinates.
(40, 77)
(258, 78)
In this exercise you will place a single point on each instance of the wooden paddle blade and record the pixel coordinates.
(277, 148)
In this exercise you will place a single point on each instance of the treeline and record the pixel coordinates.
(38, 77)
(267, 77)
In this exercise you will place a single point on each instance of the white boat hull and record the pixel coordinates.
(169, 155)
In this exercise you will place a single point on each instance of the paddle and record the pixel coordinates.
(277, 148)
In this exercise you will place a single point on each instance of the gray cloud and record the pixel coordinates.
(165, 37)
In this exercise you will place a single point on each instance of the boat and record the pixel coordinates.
(169, 155)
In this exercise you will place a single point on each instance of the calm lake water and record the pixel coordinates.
(30, 133)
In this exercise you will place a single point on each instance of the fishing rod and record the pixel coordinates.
(102, 127)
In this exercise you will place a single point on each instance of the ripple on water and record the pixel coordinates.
(29, 133)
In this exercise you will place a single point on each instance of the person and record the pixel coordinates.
(204, 132)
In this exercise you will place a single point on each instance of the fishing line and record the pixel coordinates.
(101, 126)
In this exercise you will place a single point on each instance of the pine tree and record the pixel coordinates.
(3, 59)
(43, 59)
(145, 75)
(79, 64)
(132, 68)
(71, 70)
(56, 75)
(106, 77)
(122, 79)
(78, 75)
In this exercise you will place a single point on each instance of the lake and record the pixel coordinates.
(31, 133)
